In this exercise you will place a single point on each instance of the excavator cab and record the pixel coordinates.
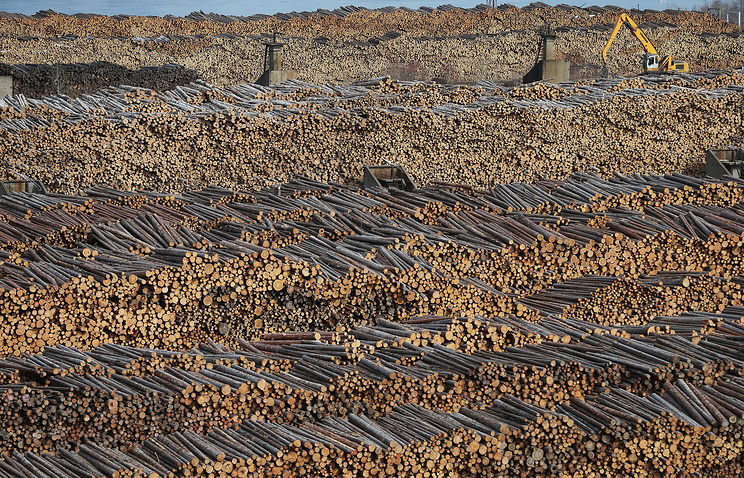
(650, 62)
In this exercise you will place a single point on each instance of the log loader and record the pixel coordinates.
(651, 62)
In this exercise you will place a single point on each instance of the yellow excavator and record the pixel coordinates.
(651, 61)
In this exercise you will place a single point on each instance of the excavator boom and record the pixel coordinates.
(632, 26)
(651, 60)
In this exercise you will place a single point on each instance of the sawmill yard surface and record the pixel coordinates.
(208, 291)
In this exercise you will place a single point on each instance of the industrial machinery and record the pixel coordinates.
(548, 68)
(17, 186)
(651, 61)
(724, 161)
(391, 176)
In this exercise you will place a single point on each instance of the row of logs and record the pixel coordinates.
(184, 139)
(613, 433)
(503, 55)
(349, 22)
(174, 270)
(118, 395)
(78, 79)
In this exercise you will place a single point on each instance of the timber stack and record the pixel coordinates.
(249, 136)
(168, 271)
(351, 22)
(208, 290)
(448, 44)
(562, 326)
(76, 79)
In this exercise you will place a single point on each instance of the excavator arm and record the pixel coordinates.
(632, 26)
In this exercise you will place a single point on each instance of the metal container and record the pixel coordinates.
(387, 177)
(724, 161)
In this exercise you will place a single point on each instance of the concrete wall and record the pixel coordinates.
(6, 86)
(555, 71)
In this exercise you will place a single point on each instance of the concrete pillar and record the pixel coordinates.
(549, 47)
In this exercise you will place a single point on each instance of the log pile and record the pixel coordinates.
(76, 79)
(616, 428)
(159, 270)
(352, 22)
(213, 311)
(583, 326)
(448, 46)
(248, 136)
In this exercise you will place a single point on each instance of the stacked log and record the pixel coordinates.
(77, 79)
(615, 431)
(351, 22)
(356, 45)
(154, 270)
(249, 136)
(582, 325)
(292, 377)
